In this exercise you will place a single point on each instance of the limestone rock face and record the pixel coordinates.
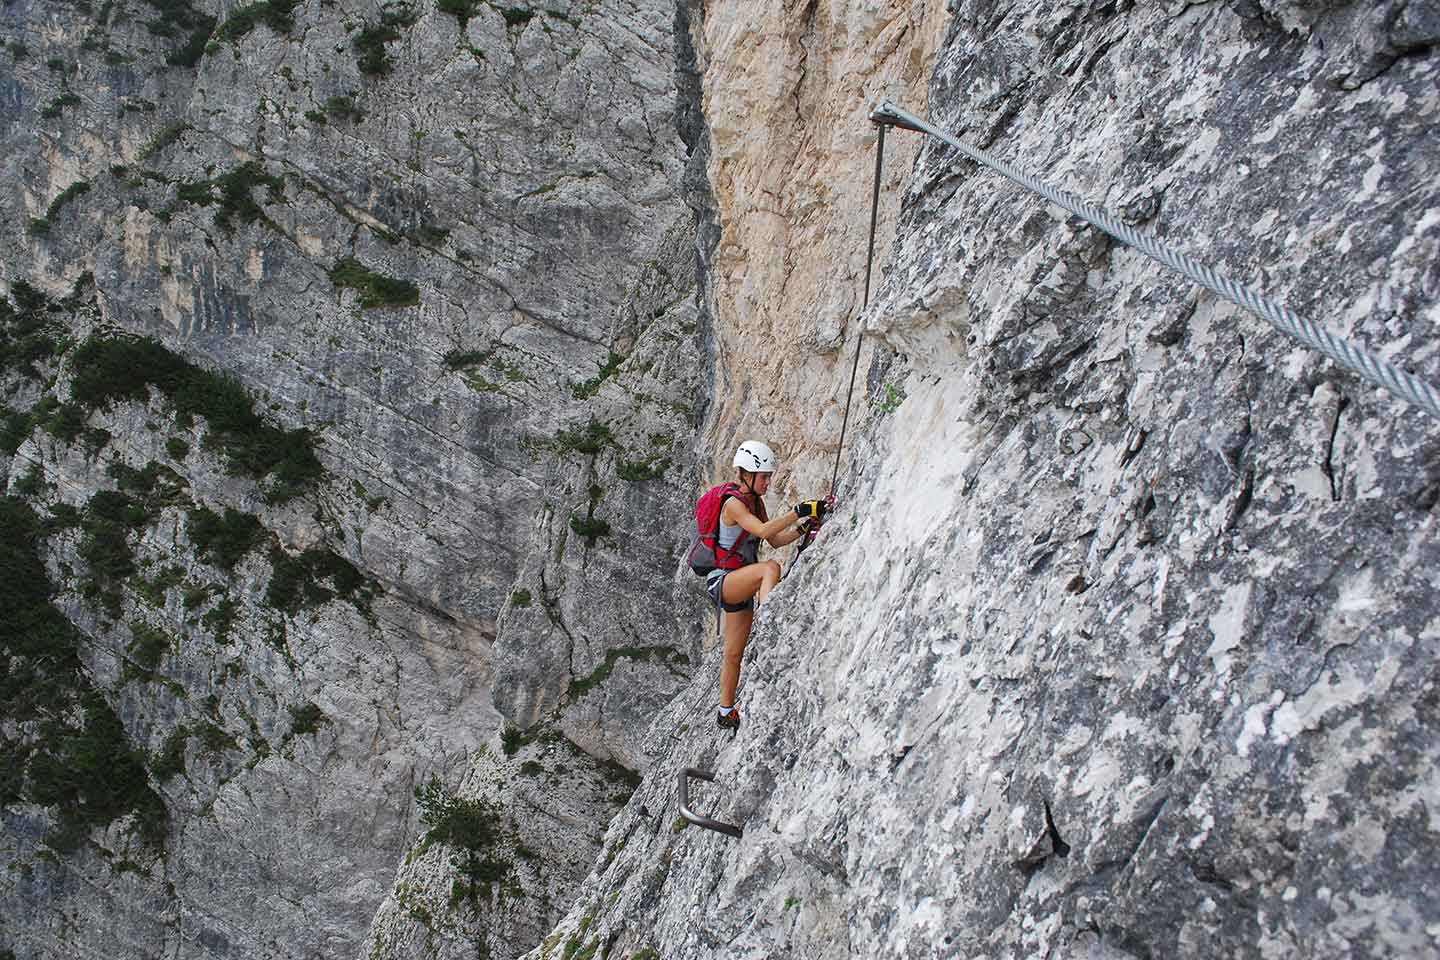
(360, 590)
(787, 86)
(448, 251)
(1123, 641)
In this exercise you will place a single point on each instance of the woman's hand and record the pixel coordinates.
(816, 509)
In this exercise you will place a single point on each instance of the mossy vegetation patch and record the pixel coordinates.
(164, 137)
(461, 10)
(516, 16)
(220, 620)
(469, 363)
(513, 738)
(591, 528)
(110, 520)
(147, 647)
(372, 55)
(154, 590)
(458, 359)
(430, 235)
(306, 720)
(31, 483)
(278, 15)
(169, 760)
(608, 369)
(667, 657)
(233, 195)
(41, 225)
(474, 828)
(60, 104)
(639, 471)
(63, 748)
(376, 289)
(112, 369)
(315, 577)
(179, 20)
(588, 439)
(30, 333)
(224, 538)
(343, 107)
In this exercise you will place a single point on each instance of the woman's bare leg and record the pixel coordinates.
(737, 632)
(755, 580)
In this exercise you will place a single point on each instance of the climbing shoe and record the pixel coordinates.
(728, 719)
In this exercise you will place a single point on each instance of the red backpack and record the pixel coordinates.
(706, 554)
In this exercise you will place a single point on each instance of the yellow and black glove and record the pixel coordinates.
(809, 509)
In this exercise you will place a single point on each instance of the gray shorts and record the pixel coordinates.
(713, 586)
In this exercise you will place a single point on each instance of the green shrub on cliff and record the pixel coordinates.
(111, 369)
(179, 19)
(342, 106)
(29, 335)
(76, 189)
(306, 720)
(67, 750)
(223, 539)
(376, 289)
(314, 577)
(475, 828)
(461, 10)
(233, 195)
(278, 15)
(108, 522)
(57, 106)
(164, 137)
(369, 43)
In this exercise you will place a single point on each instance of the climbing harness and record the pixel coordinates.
(730, 830)
(1352, 357)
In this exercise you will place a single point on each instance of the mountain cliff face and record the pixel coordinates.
(425, 368)
(361, 363)
(1123, 642)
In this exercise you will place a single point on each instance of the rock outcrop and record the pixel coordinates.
(443, 257)
(343, 614)
(1123, 643)
(785, 91)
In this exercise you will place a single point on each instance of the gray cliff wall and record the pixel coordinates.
(1123, 641)
(448, 252)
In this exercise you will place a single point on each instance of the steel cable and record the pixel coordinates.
(1351, 356)
(860, 337)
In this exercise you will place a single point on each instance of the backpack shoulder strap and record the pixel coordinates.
(728, 490)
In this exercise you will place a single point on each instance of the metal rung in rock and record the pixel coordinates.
(690, 816)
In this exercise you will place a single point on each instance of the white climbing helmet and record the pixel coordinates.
(755, 457)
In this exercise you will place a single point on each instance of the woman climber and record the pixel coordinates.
(738, 581)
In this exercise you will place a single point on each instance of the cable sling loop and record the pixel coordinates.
(860, 337)
(1353, 357)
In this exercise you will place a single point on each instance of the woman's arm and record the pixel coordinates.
(736, 513)
(785, 537)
